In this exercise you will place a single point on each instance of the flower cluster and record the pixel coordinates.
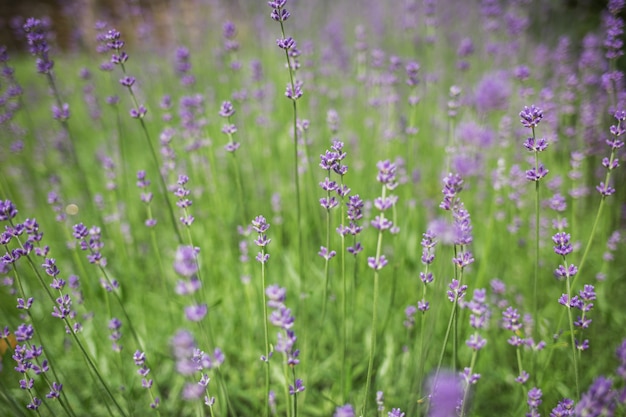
(534, 401)
(428, 256)
(445, 393)
(36, 32)
(479, 314)
(186, 265)
(511, 320)
(110, 41)
(190, 360)
(140, 360)
(583, 302)
(612, 162)
(29, 358)
(182, 66)
(115, 325)
(10, 93)
(30, 362)
(286, 338)
(614, 25)
(227, 111)
(564, 408)
(387, 178)
(288, 44)
(260, 225)
(230, 44)
(355, 213)
(331, 162)
(563, 247)
(530, 118)
(344, 411)
(183, 202)
(90, 240)
(146, 197)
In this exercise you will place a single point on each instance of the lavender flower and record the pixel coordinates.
(445, 392)
(563, 409)
(534, 400)
(531, 116)
(260, 225)
(599, 400)
(344, 411)
(185, 262)
(36, 32)
(183, 202)
(116, 334)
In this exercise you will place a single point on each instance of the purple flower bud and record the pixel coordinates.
(531, 116)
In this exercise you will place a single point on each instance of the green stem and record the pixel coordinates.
(370, 364)
(267, 340)
(572, 338)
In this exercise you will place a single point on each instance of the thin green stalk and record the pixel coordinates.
(296, 171)
(266, 337)
(326, 261)
(344, 309)
(536, 266)
(72, 148)
(370, 363)
(156, 162)
(295, 394)
(572, 339)
(590, 240)
(447, 336)
(467, 388)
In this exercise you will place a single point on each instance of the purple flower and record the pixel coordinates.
(196, 312)
(531, 116)
(260, 225)
(138, 113)
(600, 399)
(476, 342)
(377, 264)
(285, 43)
(563, 271)
(457, 291)
(395, 412)
(562, 245)
(563, 409)
(446, 392)
(387, 174)
(55, 390)
(605, 189)
(36, 32)
(299, 387)
(61, 113)
(535, 174)
(294, 91)
(536, 145)
(276, 296)
(493, 92)
(7, 210)
(326, 254)
(127, 81)
(227, 109)
(185, 262)
(534, 400)
(344, 411)
(281, 317)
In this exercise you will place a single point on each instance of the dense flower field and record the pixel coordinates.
(415, 208)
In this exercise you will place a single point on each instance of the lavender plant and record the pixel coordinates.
(116, 312)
